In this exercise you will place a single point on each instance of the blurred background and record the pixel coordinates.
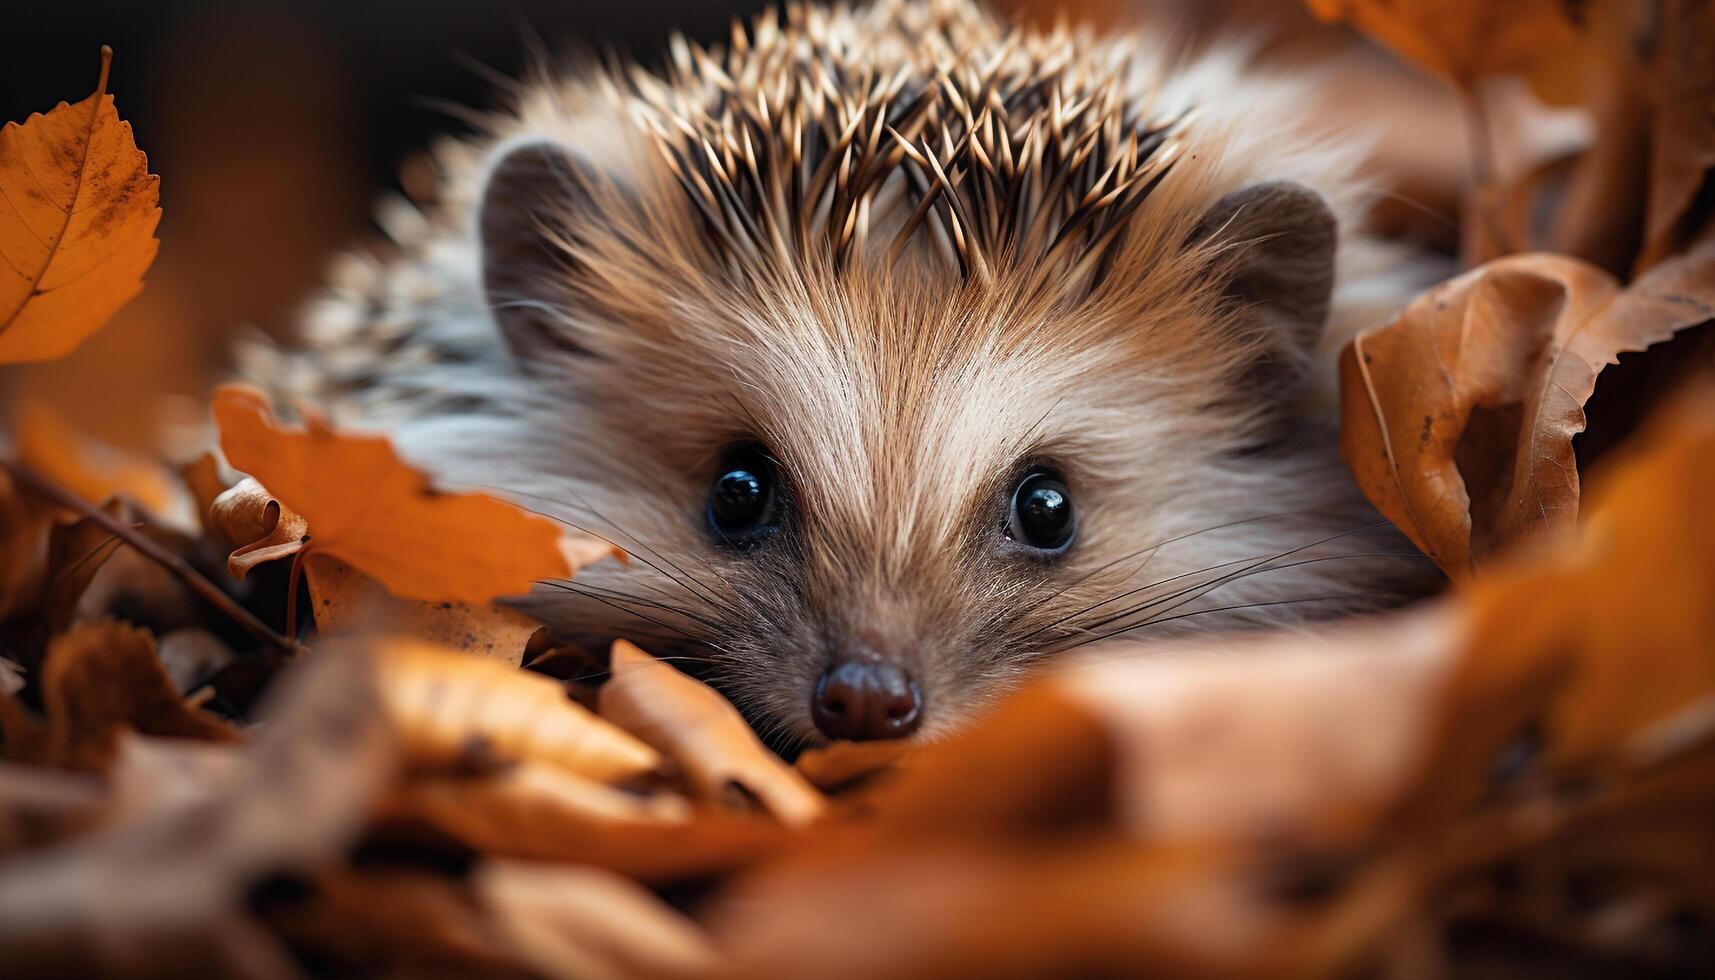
(275, 125)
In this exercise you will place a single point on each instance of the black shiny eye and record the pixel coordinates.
(1041, 513)
(741, 501)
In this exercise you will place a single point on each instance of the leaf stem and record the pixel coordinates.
(1485, 168)
(181, 569)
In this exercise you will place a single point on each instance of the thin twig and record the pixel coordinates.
(292, 590)
(181, 569)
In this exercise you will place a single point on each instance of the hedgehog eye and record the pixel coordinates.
(1041, 515)
(741, 509)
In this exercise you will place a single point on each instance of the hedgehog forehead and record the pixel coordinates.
(889, 420)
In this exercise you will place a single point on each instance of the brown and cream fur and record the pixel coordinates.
(909, 251)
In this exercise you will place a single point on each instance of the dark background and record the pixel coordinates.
(376, 71)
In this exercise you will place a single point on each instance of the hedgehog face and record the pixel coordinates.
(887, 419)
(862, 508)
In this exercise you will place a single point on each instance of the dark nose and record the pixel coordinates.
(866, 699)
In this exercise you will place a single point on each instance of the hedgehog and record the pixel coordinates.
(902, 348)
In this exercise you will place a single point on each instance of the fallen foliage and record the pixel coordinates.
(1459, 415)
(688, 720)
(343, 598)
(364, 505)
(455, 711)
(80, 229)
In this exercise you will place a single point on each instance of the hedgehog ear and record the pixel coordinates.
(1275, 243)
(534, 189)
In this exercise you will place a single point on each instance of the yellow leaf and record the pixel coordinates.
(78, 229)
(1458, 416)
(698, 728)
(367, 507)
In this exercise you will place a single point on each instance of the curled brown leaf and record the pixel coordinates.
(704, 733)
(261, 527)
(1458, 416)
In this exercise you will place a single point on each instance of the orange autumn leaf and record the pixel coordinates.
(454, 711)
(79, 229)
(704, 733)
(1458, 416)
(840, 764)
(545, 813)
(369, 508)
(205, 483)
(1462, 39)
(1597, 661)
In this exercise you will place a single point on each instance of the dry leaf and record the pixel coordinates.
(829, 767)
(249, 516)
(76, 553)
(370, 509)
(205, 482)
(40, 806)
(705, 734)
(455, 711)
(1458, 416)
(539, 812)
(1571, 664)
(50, 446)
(344, 598)
(1189, 765)
(192, 656)
(1075, 905)
(80, 229)
(24, 736)
(164, 893)
(1682, 134)
(1462, 39)
(408, 922)
(589, 924)
(150, 773)
(103, 678)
